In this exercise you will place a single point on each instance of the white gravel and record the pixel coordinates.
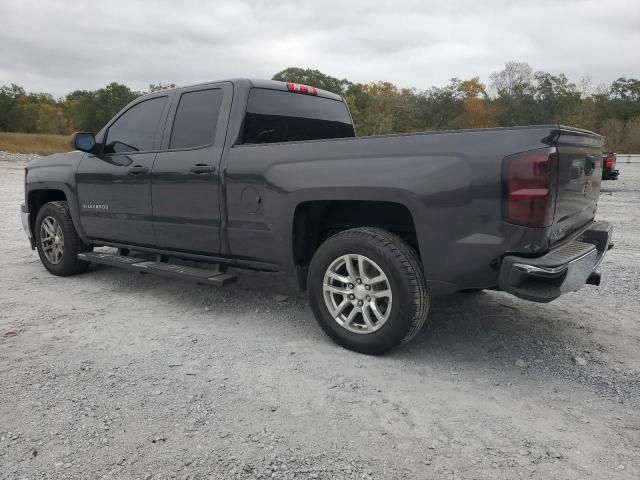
(115, 375)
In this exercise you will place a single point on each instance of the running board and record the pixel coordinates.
(200, 275)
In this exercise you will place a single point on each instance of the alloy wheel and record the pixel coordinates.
(357, 293)
(52, 240)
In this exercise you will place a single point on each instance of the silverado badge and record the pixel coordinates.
(95, 206)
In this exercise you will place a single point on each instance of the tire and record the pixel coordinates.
(402, 315)
(68, 244)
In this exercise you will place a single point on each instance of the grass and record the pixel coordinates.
(42, 144)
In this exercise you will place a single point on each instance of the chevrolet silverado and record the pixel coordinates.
(270, 176)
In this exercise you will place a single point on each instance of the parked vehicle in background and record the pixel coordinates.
(609, 172)
(269, 175)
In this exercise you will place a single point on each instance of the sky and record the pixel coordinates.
(60, 46)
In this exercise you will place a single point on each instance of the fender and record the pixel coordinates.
(56, 172)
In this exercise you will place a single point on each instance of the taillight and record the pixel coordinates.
(299, 88)
(611, 161)
(529, 184)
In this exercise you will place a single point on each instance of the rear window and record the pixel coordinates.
(276, 116)
(196, 118)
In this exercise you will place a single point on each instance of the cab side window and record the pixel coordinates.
(196, 119)
(136, 129)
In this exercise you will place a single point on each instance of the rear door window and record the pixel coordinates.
(135, 130)
(278, 116)
(196, 118)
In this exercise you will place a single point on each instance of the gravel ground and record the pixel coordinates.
(111, 374)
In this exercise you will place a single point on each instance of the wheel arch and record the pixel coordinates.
(40, 194)
(314, 221)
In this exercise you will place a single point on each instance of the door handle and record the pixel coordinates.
(137, 170)
(202, 168)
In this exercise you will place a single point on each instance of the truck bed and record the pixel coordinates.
(450, 181)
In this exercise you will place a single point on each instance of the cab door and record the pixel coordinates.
(114, 185)
(186, 173)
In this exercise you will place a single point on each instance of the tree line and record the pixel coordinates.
(516, 95)
(87, 110)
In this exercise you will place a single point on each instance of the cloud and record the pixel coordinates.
(60, 46)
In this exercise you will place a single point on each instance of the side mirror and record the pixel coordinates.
(83, 141)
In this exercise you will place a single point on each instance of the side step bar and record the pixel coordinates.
(200, 275)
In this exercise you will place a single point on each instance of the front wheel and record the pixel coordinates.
(367, 290)
(57, 240)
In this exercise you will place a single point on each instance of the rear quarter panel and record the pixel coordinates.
(449, 181)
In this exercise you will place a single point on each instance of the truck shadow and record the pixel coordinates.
(463, 324)
(480, 327)
(481, 331)
(491, 335)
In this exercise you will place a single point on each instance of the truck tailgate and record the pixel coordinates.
(579, 175)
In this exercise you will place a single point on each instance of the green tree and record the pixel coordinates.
(374, 107)
(109, 101)
(557, 98)
(624, 98)
(313, 78)
(477, 112)
(51, 119)
(443, 105)
(79, 108)
(613, 130)
(27, 111)
(91, 110)
(514, 91)
(631, 141)
(9, 96)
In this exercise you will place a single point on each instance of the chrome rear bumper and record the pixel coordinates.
(564, 269)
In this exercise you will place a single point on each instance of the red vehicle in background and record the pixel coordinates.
(609, 172)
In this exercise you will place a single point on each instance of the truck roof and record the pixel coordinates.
(257, 83)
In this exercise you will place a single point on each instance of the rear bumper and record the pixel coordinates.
(564, 269)
(610, 175)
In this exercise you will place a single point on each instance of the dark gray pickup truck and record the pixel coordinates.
(270, 176)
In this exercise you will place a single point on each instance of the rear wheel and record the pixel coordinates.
(367, 290)
(58, 242)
